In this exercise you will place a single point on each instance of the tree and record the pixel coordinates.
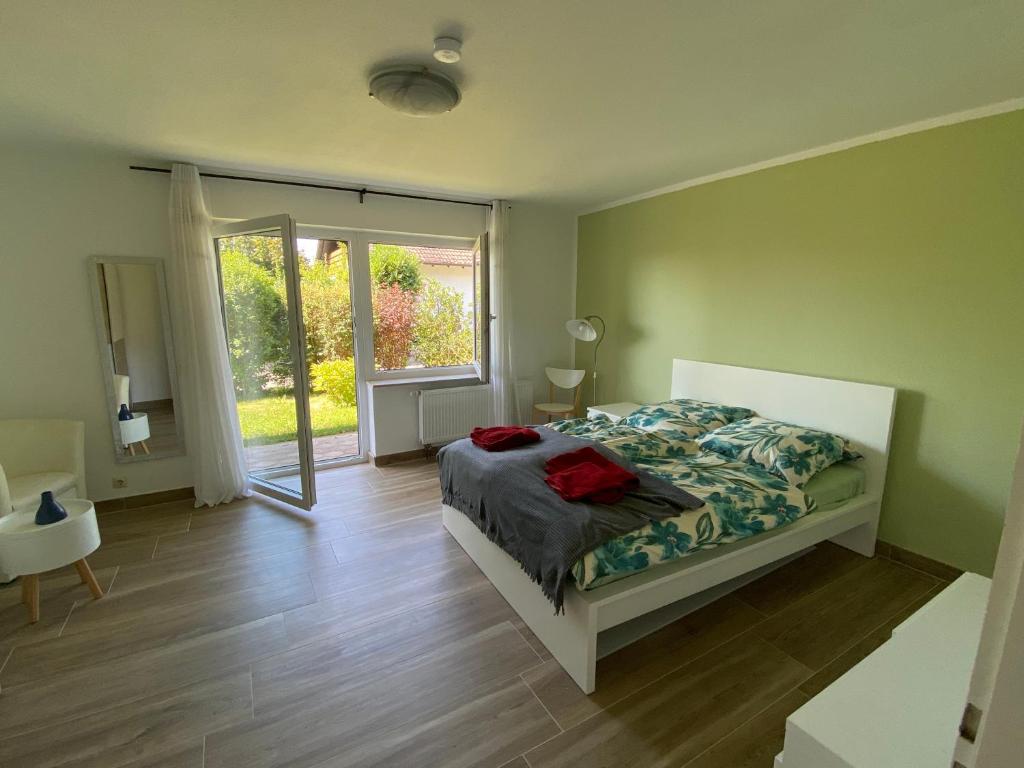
(395, 265)
(263, 250)
(444, 330)
(257, 324)
(394, 312)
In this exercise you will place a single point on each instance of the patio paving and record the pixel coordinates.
(286, 454)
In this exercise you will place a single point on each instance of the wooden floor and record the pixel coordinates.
(361, 635)
(163, 429)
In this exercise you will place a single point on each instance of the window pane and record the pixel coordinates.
(422, 306)
(255, 310)
(256, 319)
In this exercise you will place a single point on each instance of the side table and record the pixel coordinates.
(27, 549)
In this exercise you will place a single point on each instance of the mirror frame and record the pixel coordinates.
(121, 455)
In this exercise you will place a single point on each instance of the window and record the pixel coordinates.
(428, 301)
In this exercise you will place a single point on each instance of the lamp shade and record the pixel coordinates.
(581, 329)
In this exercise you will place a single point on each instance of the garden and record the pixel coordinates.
(418, 322)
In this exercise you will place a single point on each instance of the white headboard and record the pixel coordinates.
(861, 412)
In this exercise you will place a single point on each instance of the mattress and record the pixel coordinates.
(741, 500)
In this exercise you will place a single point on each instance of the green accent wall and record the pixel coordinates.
(898, 263)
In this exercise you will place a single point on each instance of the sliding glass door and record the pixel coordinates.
(266, 340)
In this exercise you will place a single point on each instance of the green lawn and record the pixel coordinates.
(272, 419)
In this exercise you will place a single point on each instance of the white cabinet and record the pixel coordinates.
(901, 706)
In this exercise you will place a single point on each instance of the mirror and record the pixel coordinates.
(134, 330)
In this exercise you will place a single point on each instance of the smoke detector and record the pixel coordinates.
(447, 50)
(416, 91)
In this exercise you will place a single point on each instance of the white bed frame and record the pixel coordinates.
(600, 621)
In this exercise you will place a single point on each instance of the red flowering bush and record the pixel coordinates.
(394, 314)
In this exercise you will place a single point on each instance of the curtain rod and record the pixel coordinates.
(361, 191)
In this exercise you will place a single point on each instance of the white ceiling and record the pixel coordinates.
(572, 101)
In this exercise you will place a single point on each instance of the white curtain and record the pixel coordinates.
(503, 380)
(207, 400)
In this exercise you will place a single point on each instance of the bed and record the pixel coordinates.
(600, 620)
(741, 499)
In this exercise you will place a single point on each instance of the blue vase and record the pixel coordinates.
(50, 510)
(124, 414)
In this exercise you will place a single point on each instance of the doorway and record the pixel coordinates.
(287, 304)
(325, 276)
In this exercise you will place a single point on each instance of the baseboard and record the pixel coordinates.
(398, 458)
(146, 405)
(144, 500)
(918, 562)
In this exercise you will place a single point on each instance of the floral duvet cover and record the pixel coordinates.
(741, 500)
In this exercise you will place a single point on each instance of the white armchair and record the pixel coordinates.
(121, 387)
(39, 455)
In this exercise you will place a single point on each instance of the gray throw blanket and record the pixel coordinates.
(505, 495)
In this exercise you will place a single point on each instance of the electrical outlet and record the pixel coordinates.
(120, 482)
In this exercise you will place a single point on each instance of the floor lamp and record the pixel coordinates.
(583, 330)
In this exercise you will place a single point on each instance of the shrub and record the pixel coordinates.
(394, 312)
(257, 324)
(336, 379)
(395, 265)
(326, 310)
(444, 330)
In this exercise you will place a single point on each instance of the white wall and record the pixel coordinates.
(459, 278)
(110, 284)
(144, 333)
(542, 243)
(60, 205)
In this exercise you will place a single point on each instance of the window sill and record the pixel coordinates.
(466, 378)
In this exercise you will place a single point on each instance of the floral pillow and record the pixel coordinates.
(793, 453)
(684, 419)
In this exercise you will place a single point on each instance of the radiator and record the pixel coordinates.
(448, 414)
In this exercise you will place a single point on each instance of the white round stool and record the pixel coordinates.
(27, 549)
(135, 430)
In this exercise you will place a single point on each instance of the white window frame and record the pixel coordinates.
(362, 302)
(305, 497)
(370, 373)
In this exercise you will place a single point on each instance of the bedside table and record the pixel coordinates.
(613, 411)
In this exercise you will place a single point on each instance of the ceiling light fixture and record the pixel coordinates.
(415, 91)
(447, 50)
